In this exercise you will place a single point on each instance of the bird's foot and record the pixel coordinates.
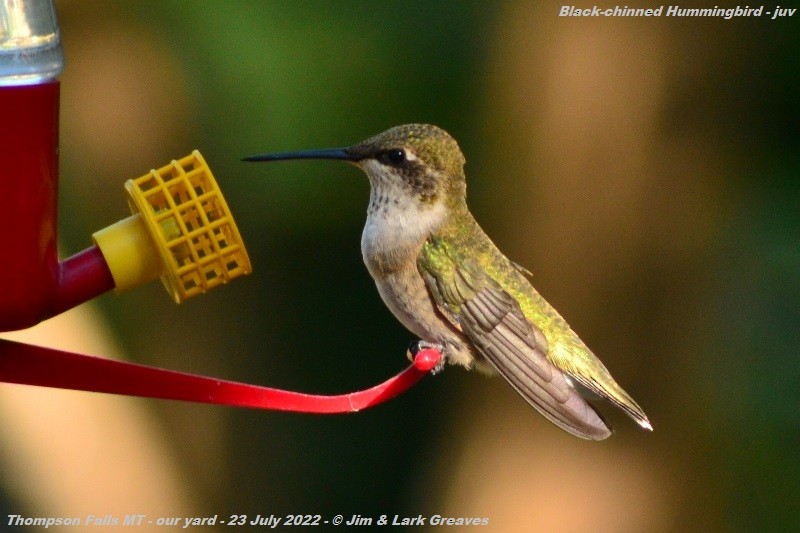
(419, 345)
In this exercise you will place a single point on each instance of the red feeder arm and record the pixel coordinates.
(34, 365)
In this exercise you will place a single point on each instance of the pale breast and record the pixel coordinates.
(405, 294)
(395, 229)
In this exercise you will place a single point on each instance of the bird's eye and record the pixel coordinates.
(393, 157)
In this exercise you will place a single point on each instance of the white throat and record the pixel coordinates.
(397, 225)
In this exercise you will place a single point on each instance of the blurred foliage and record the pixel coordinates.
(695, 307)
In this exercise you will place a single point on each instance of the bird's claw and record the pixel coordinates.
(418, 345)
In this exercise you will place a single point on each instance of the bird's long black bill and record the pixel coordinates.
(326, 153)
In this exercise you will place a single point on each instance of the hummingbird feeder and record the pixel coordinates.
(181, 230)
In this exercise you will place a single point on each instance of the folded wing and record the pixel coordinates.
(492, 319)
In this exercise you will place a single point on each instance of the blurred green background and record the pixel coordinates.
(646, 171)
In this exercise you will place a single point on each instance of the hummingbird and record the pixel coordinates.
(445, 280)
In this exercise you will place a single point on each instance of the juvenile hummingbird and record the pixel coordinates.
(447, 282)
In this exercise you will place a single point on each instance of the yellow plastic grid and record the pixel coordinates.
(194, 231)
